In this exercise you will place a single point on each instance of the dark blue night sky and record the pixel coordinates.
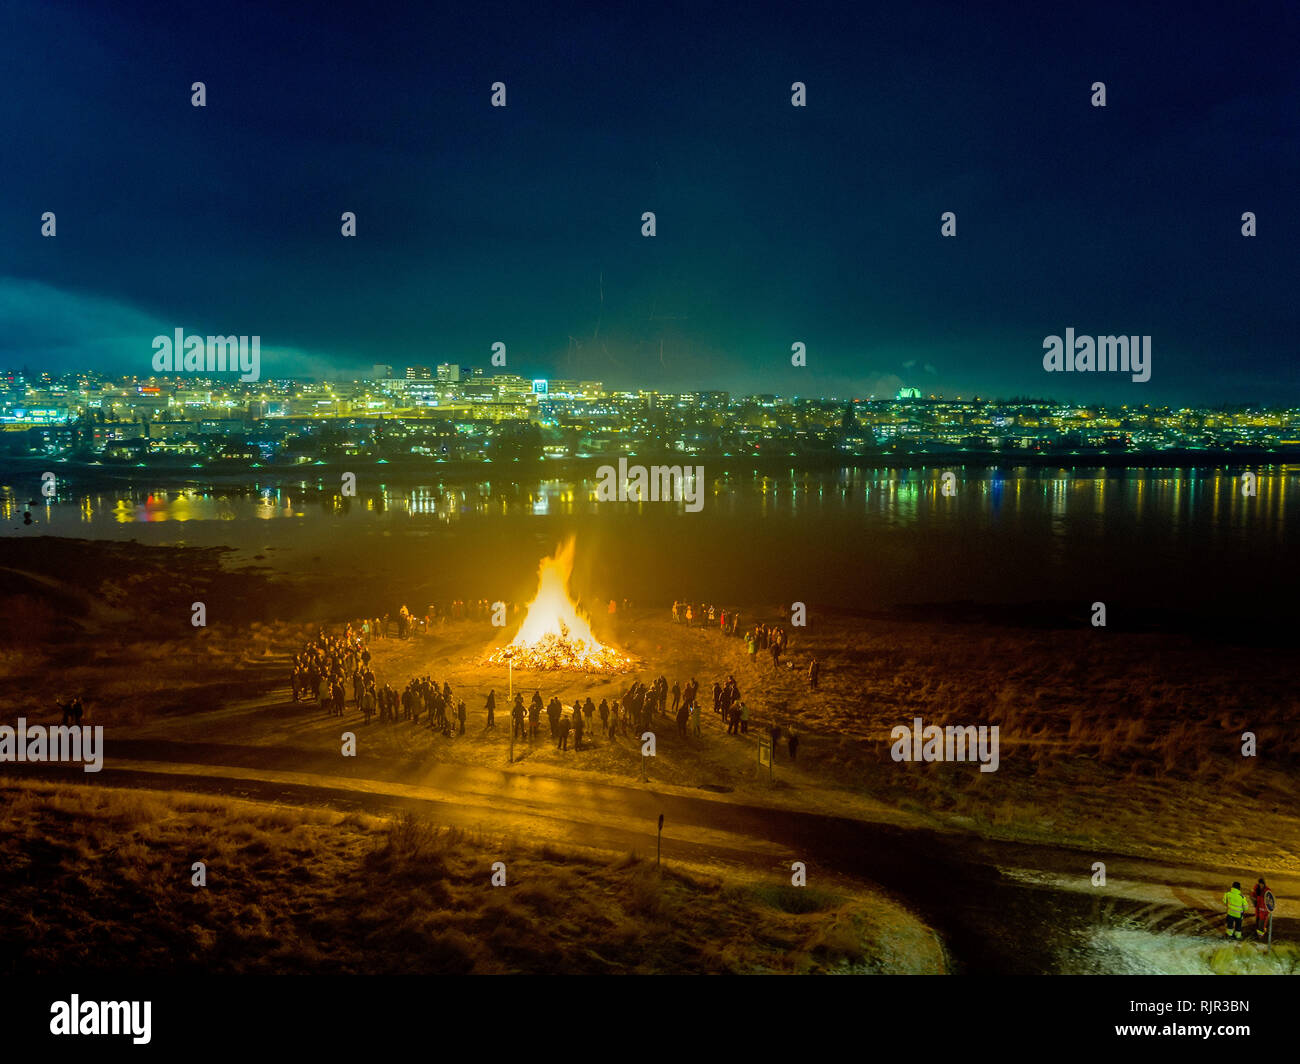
(775, 224)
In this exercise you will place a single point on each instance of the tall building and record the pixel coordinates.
(13, 384)
(513, 388)
(418, 373)
(450, 373)
(380, 373)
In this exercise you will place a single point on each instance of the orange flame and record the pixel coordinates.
(554, 634)
(552, 612)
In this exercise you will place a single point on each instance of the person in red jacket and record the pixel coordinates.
(1261, 910)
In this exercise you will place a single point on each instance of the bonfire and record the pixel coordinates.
(555, 635)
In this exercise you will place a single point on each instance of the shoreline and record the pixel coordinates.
(419, 470)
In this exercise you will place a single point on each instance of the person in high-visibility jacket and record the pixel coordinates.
(1237, 903)
(1261, 907)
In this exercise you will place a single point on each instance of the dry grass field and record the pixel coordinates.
(100, 881)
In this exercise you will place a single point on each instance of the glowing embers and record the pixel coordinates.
(554, 634)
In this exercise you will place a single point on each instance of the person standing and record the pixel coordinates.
(814, 670)
(792, 743)
(491, 709)
(1262, 915)
(1235, 902)
(534, 713)
(461, 714)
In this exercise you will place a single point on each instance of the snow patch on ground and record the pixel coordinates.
(1132, 951)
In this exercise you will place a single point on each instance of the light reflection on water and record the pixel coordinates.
(1167, 538)
(1119, 500)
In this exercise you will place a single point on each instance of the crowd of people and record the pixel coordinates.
(766, 637)
(406, 624)
(706, 615)
(329, 662)
(332, 666)
(770, 639)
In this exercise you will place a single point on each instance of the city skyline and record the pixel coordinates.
(14, 379)
(459, 414)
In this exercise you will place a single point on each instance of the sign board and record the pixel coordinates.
(1268, 900)
(765, 752)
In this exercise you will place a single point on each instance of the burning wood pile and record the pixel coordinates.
(560, 652)
(554, 634)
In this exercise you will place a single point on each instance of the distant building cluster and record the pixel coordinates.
(453, 413)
